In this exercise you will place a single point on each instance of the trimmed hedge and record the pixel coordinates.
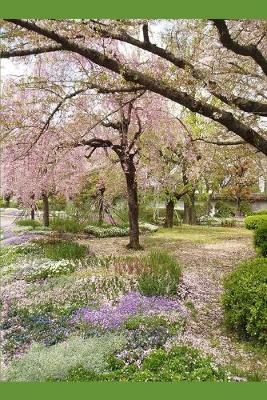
(260, 239)
(245, 300)
(254, 221)
(259, 212)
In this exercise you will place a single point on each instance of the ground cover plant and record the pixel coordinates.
(50, 306)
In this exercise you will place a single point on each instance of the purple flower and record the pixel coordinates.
(133, 303)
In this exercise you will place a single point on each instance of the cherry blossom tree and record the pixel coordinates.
(195, 56)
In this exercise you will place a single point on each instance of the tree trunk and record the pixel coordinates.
(101, 209)
(189, 210)
(169, 214)
(130, 174)
(32, 207)
(45, 210)
(7, 198)
(32, 213)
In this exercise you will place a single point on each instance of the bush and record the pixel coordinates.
(161, 275)
(42, 269)
(102, 231)
(63, 225)
(245, 207)
(28, 222)
(181, 363)
(254, 221)
(223, 210)
(63, 250)
(244, 299)
(228, 222)
(146, 227)
(40, 363)
(259, 212)
(260, 239)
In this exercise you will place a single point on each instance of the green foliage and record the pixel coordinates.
(228, 222)
(260, 239)
(28, 222)
(103, 231)
(245, 300)
(245, 207)
(181, 363)
(41, 363)
(259, 212)
(42, 269)
(160, 276)
(254, 221)
(223, 210)
(151, 321)
(147, 227)
(63, 225)
(57, 203)
(11, 254)
(63, 250)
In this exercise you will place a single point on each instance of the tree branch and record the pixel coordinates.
(219, 143)
(244, 50)
(225, 118)
(28, 52)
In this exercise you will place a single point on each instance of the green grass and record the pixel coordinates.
(68, 225)
(200, 234)
(64, 250)
(28, 222)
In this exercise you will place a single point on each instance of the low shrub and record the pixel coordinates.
(180, 363)
(146, 227)
(161, 275)
(223, 210)
(10, 254)
(260, 239)
(28, 222)
(63, 225)
(245, 207)
(102, 231)
(254, 221)
(209, 221)
(244, 299)
(64, 249)
(41, 363)
(42, 269)
(259, 212)
(228, 222)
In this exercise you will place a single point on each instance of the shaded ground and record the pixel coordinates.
(207, 254)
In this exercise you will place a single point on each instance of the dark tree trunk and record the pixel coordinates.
(130, 174)
(7, 198)
(32, 213)
(101, 205)
(189, 210)
(169, 214)
(45, 210)
(32, 207)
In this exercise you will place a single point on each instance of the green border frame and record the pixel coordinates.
(238, 9)
(229, 9)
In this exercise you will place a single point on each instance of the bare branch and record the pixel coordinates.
(28, 52)
(244, 50)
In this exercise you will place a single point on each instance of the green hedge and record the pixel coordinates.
(260, 239)
(245, 299)
(260, 212)
(254, 221)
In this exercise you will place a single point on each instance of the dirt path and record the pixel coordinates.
(205, 266)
